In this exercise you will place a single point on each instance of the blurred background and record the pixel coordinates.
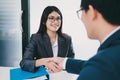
(21, 18)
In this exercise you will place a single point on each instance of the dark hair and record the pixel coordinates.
(44, 17)
(110, 9)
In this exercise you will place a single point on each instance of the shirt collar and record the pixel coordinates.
(110, 34)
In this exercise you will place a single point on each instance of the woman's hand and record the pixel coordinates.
(49, 64)
(43, 61)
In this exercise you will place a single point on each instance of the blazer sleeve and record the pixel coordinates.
(74, 65)
(28, 62)
(99, 67)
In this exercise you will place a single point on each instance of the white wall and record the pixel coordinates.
(84, 47)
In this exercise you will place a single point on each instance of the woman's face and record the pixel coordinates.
(53, 22)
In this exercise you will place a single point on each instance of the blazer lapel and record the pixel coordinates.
(47, 45)
(62, 47)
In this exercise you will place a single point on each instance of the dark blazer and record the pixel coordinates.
(105, 65)
(40, 47)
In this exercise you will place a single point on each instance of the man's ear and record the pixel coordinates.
(92, 12)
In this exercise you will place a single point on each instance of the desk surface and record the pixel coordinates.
(63, 75)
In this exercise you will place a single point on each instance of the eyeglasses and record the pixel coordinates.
(79, 12)
(52, 19)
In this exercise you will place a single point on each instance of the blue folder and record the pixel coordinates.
(19, 74)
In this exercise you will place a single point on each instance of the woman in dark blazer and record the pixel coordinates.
(48, 42)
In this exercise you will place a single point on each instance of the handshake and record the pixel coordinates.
(53, 64)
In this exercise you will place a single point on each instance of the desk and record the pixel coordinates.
(63, 75)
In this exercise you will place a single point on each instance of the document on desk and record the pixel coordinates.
(38, 78)
(19, 74)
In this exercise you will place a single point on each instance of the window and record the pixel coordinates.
(10, 32)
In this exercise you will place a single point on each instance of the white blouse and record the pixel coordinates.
(55, 47)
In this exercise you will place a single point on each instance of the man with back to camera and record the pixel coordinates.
(102, 22)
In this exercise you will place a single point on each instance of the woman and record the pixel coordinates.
(48, 42)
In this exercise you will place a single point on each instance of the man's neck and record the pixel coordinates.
(109, 32)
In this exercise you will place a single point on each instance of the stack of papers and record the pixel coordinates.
(19, 74)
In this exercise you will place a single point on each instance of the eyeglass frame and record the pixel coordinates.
(79, 12)
(52, 19)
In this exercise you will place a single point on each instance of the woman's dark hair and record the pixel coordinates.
(44, 17)
(110, 9)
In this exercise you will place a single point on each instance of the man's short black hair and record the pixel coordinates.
(110, 9)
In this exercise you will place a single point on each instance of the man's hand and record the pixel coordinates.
(59, 61)
(53, 67)
(51, 64)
